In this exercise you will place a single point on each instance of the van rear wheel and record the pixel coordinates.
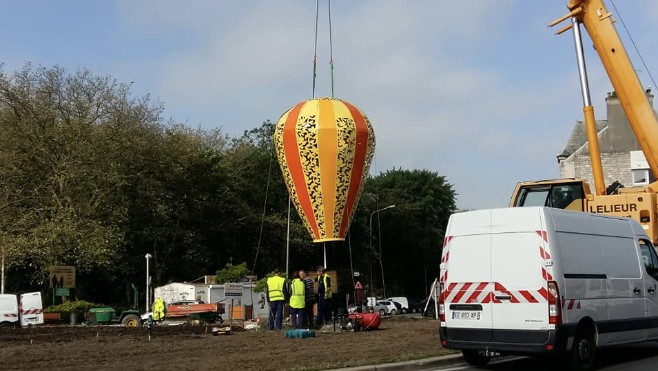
(583, 351)
(475, 357)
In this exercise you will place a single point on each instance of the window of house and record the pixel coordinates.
(640, 176)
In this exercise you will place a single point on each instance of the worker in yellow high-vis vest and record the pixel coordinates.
(277, 293)
(297, 301)
(324, 297)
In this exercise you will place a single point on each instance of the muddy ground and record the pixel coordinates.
(193, 347)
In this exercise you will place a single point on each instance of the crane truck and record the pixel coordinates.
(639, 203)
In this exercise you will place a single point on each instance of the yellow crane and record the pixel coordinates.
(639, 203)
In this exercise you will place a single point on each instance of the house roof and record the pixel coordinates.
(578, 137)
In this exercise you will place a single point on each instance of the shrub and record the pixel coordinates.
(72, 306)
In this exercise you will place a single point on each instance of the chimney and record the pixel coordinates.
(619, 136)
(614, 111)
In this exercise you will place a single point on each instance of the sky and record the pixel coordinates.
(481, 92)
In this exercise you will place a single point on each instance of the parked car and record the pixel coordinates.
(379, 308)
(416, 305)
(386, 307)
(401, 302)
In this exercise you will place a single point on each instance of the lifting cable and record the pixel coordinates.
(633, 42)
(331, 53)
(315, 49)
(262, 220)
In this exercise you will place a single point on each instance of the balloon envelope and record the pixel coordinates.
(324, 147)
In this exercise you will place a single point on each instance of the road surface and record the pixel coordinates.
(638, 357)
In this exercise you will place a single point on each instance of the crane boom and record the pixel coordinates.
(599, 25)
(639, 203)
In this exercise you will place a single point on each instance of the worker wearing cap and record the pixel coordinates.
(277, 292)
(324, 297)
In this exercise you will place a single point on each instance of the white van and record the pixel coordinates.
(8, 310)
(539, 280)
(28, 313)
(31, 309)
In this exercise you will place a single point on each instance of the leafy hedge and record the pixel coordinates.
(72, 306)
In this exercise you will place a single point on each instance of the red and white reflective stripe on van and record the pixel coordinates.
(571, 304)
(31, 311)
(445, 258)
(10, 315)
(545, 255)
(467, 292)
(491, 292)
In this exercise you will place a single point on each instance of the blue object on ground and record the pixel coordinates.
(300, 333)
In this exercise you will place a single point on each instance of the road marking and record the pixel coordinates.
(505, 360)
(465, 366)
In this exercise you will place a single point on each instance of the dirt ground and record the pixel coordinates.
(193, 347)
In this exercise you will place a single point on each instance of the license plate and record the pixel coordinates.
(29, 319)
(467, 315)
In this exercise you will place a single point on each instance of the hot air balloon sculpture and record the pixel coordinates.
(324, 147)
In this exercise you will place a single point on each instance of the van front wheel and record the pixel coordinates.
(584, 348)
(475, 357)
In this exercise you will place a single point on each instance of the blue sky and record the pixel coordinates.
(480, 91)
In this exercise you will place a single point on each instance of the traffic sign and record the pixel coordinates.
(358, 285)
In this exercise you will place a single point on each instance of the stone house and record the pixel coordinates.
(621, 156)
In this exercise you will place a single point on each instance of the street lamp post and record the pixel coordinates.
(381, 265)
(148, 291)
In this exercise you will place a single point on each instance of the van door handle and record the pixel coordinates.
(651, 290)
(502, 297)
(637, 291)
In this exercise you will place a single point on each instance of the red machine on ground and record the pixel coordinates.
(364, 321)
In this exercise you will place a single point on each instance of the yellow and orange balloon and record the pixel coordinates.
(324, 147)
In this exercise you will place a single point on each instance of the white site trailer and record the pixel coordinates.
(213, 293)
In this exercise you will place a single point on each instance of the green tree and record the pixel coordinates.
(57, 184)
(91, 176)
(232, 273)
(411, 233)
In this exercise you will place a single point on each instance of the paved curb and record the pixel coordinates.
(410, 365)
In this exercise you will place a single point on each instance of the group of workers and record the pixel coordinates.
(301, 296)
